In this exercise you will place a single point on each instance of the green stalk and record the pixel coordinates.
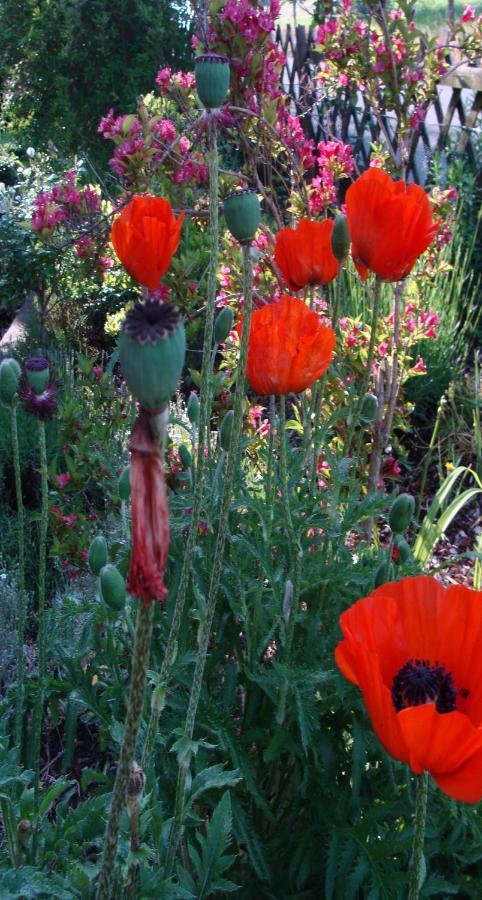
(269, 501)
(416, 862)
(22, 599)
(204, 420)
(319, 387)
(37, 719)
(429, 454)
(140, 662)
(295, 556)
(368, 371)
(205, 629)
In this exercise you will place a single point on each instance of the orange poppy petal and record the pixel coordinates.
(145, 236)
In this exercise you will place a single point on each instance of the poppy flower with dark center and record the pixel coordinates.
(304, 254)
(145, 236)
(289, 348)
(390, 223)
(413, 648)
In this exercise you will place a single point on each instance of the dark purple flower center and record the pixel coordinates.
(419, 682)
(211, 58)
(36, 364)
(151, 321)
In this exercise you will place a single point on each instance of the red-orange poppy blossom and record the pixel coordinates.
(145, 236)
(288, 349)
(304, 255)
(413, 648)
(391, 225)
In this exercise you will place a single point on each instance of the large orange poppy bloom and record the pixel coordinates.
(304, 254)
(145, 236)
(288, 347)
(390, 225)
(413, 648)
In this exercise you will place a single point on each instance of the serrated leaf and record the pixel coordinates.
(213, 777)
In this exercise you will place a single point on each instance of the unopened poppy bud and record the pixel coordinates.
(185, 456)
(223, 324)
(381, 574)
(9, 380)
(369, 409)
(225, 430)
(212, 79)
(37, 373)
(404, 552)
(152, 347)
(137, 780)
(242, 212)
(401, 513)
(97, 554)
(193, 408)
(124, 483)
(340, 238)
(112, 587)
(158, 699)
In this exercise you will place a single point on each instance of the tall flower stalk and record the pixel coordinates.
(44, 512)
(416, 863)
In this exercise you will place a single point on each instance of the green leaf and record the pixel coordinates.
(213, 777)
(218, 837)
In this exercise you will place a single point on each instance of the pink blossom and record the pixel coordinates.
(63, 479)
(383, 349)
(419, 366)
(468, 14)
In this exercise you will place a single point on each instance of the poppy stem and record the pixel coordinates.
(37, 718)
(416, 876)
(170, 652)
(22, 600)
(377, 294)
(206, 626)
(269, 499)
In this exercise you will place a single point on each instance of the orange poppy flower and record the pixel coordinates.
(304, 254)
(145, 236)
(413, 648)
(288, 348)
(390, 225)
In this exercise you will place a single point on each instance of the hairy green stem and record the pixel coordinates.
(416, 862)
(22, 599)
(205, 628)
(140, 662)
(37, 719)
(204, 419)
(368, 371)
(269, 501)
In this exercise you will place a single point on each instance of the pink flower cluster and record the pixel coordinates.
(250, 20)
(169, 80)
(64, 205)
(335, 161)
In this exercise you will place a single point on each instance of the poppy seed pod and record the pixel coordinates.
(242, 212)
(369, 409)
(223, 324)
(97, 554)
(212, 79)
(152, 346)
(185, 456)
(340, 238)
(112, 587)
(9, 380)
(193, 408)
(401, 513)
(37, 373)
(225, 430)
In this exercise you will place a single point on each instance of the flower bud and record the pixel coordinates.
(124, 483)
(223, 324)
(185, 456)
(340, 238)
(369, 409)
(193, 408)
(112, 587)
(401, 513)
(212, 79)
(9, 380)
(37, 373)
(152, 347)
(404, 552)
(137, 780)
(225, 430)
(381, 574)
(97, 554)
(243, 214)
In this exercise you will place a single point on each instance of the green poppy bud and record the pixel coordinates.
(9, 379)
(243, 214)
(340, 238)
(401, 513)
(404, 552)
(369, 409)
(185, 456)
(152, 347)
(381, 574)
(193, 408)
(212, 79)
(223, 324)
(97, 554)
(124, 483)
(225, 430)
(112, 587)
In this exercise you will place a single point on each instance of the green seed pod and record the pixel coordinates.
(381, 575)
(185, 456)
(369, 409)
(243, 214)
(112, 587)
(404, 552)
(223, 324)
(97, 554)
(9, 379)
(124, 483)
(37, 372)
(193, 408)
(401, 513)
(152, 347)
(340, 238)
(212, 79)
(225, 430)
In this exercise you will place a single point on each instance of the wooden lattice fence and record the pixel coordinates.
(451, 122)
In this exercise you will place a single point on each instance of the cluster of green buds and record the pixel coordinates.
(112, 586)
